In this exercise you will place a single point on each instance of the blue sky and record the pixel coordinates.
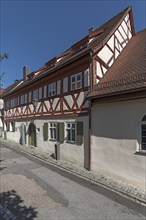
(34, 31)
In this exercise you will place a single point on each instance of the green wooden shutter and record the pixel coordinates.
(8, 126)
(79, 138)
(45, 131)
(13, 126)
(60, 132)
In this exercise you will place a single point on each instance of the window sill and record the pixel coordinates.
(141, 153)
(54, 140)
(70, 142)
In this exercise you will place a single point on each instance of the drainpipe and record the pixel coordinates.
(89, 102)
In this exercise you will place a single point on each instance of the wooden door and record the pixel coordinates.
(32, 134)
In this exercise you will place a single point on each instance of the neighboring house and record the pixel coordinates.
(118, 116)
(50, 105)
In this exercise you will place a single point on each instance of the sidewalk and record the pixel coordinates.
(120, 187)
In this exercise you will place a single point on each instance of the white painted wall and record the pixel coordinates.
(115, 140)
(70, 152)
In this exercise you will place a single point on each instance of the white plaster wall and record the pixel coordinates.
(70, 152)
(115, 140)
(14, 136)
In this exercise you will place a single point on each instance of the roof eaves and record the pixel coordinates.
(126, 91)
(53, 69)
(101, 44)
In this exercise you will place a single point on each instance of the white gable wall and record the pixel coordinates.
(113, 47)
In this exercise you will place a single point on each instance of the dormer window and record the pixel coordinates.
(51, 63)
(80, 48)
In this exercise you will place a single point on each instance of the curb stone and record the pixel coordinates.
(117, 186)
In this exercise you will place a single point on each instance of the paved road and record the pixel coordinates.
(31, 189)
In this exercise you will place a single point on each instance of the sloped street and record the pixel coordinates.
(30, 189)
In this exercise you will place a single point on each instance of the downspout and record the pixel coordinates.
(89, 102)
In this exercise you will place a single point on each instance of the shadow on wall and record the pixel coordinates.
(11, 208)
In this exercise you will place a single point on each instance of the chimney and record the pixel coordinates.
(91, 30)
(25, 72)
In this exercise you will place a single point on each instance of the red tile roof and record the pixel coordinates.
(129, 70)
(1, 91)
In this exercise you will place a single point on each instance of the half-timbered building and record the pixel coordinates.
(50, 105)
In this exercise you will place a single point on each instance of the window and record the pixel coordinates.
(13, 103)
(76, 81)
(70, 131)
(52, 89)
(143, 134)
(53, 131)
(35, 94)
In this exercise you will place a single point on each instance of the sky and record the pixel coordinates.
(34, 31)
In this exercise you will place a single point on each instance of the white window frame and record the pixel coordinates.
(52, 89)
(68, 126)
(76, 83)
(142, 123)
(53, 128)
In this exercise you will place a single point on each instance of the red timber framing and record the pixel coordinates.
(105, 56)
(62, 104)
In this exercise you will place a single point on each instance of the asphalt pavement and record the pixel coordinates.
(32, 188)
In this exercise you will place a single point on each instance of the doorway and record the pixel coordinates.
(32, 134)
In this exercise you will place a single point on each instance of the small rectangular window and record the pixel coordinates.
(53, 131)
(76, 81)
(35, 94)
(70, 131)
(52, 89)
(143, 137)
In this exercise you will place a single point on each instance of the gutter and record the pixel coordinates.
(117, 93)
(89, 101)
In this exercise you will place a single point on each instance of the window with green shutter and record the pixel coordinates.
(45, 131)
(79, 132)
